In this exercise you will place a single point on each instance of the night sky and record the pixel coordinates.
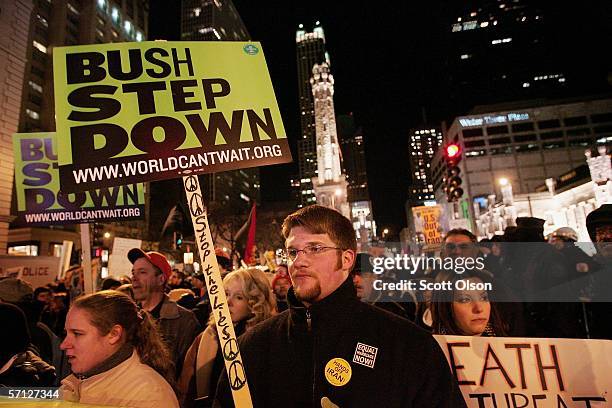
(387, 59)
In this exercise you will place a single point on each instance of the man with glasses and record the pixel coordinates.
(330, 349)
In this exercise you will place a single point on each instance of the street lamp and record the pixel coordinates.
(385, 232)
(107, 235)
(509, 212)
(506, 190)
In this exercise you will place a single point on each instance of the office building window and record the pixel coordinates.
(553, 145)
(549, 124)
(39, 46)
(72, 9)
(472, 132)
(474, 143)
(500, 140)
(551, 135)
(497, 130)
(601, 118)
(35, 86)
(578, 132)
(522, 127)
(575, 121)
(33, 114)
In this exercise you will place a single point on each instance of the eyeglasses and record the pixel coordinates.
(451, 247)
(292, 253)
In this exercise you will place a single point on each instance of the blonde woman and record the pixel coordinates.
(250, 300)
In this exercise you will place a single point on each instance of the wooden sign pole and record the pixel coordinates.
(86, 262)
(216, 292)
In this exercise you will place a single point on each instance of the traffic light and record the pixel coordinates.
(452, 153)
(98, 239)
(178, 240)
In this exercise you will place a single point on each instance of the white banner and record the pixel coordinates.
(118, 262)
(507, 372)
(36, 270)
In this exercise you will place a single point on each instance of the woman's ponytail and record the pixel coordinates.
(151, 348)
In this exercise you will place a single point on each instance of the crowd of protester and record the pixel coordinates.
(149, 340)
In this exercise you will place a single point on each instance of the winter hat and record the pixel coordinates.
(15, 290)
(363, 264)
(598, 218)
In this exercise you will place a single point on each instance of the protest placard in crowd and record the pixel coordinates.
(118, 263)
(40, 201)
(530, 372)
(36, 270)
(426, 223)
(134, 112)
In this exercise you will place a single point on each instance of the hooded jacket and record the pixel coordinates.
(386, 361)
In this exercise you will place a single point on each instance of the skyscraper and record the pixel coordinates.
(310, 51)
(70, 22)
(354, 162)
(201, 20)
(13, 58)
(424, 141)
(63, 23)
(353, 158)
(501, 50)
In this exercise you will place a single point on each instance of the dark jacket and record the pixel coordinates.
(285, 358)
(178, 327)
(28, 370)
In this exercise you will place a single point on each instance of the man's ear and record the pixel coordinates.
(348, 259)
(162, 279)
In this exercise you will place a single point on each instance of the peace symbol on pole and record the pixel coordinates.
(196, 205)
(230, 349)
(191, 184)
(237, 378)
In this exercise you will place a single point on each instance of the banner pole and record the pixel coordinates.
(218, 301)
(65, 259)
(86, 261)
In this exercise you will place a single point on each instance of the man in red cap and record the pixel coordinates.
(177, 325)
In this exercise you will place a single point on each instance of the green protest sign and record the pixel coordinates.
(40, 202)
(134, 112)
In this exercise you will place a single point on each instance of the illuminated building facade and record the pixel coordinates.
(63, 23)
(71, 22)
(330, 185)
(523, 144)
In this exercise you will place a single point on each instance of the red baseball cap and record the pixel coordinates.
(157, 259)
(279, 277)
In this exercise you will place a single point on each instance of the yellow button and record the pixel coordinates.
(338, 372)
